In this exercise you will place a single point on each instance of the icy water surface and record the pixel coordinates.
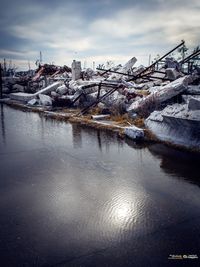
(73, 196)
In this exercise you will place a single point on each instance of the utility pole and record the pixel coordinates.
(10, 64)
(149, 60)
(1, 89)
(40, 57)
(85, 64)
(29, 67)
(4, 66)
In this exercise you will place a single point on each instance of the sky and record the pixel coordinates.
(95, 31)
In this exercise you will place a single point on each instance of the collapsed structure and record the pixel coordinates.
(165, 94)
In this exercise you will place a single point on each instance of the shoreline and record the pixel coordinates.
(69, 115)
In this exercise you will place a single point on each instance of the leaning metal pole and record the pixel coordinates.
(196, 53)
(153, 64)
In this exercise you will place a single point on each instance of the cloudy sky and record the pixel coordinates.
(98, 31)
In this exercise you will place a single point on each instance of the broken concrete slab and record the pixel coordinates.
(173, 74)
(54, 94)
(194, 104)
(45, 100)
(88, 74)
(32, 102)
(193, 89)
(76, 70)
(25, 97)
(134, 132)
(154, 89)
(62, 89)
(111, 99)
(18, 87)
(74, 86)
(124, 69)
(170, 62)
(164, 93)
(48, 89)
(157, 75)
(176, 124)
(128, 66)
(186, 98)
(87, 100)
(181, 111)
(172, 89)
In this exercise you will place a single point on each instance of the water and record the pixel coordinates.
(73, 196)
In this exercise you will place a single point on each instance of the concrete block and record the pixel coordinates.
(134, 132)
(194, 104)
(62, 90)
(48, 89)
(76, 70)
(172, 73)
(22, 96)
(18, 87)
(45, 100)
(32, 102)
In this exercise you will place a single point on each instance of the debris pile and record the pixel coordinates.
(166, 94)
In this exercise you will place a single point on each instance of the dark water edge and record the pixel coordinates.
(74, 196)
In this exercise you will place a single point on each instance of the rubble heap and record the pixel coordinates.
(165, 95)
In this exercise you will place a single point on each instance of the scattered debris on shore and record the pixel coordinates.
(165, 96)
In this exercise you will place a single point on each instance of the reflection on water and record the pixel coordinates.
(3, 130)
(181, 164)
(99, 139)
(73, 196)
(77, 136)
(123, 208)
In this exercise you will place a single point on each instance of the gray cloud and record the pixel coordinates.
(95, 30)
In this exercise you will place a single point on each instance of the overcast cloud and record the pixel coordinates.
(95, 30)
